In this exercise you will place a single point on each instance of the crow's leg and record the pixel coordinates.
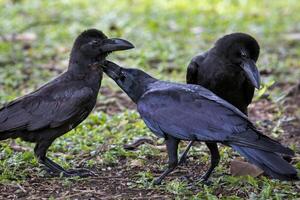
(215, 158)
(183, 157)
(40, 151)
(172, 148)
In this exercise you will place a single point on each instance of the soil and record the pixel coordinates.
(119, 182)
(116, 102)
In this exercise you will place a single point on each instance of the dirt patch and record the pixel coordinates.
(291, 126)
(114, 102)
(122, 181)
(279, 120)
(111, 182)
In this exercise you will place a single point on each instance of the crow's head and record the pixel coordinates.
(92, 45)
(240, 50)
(133, 81)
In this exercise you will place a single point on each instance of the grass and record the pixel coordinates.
(167, 34)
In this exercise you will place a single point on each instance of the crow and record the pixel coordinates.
(228, 69)
(61, 104)
(191, 112)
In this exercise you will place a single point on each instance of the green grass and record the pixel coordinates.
(167, 34)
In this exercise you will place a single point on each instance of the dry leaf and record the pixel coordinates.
(136, 163)
(242, 168)
(159, 147)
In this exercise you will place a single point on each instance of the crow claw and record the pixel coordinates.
(157, 181)
(183, 160)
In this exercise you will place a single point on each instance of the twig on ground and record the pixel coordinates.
(19, 186)
(138, 142)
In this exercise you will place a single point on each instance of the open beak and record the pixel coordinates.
(251, 72)
(115, 44)
(111, 69)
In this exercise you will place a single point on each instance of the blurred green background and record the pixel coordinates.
(35, 42)
(167, 34)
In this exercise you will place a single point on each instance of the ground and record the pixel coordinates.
(34, 48)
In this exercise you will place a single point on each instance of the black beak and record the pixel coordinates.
(115, 44)
(251, 72)
(111, 69)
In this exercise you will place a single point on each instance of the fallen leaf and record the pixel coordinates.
(242, 168)
(136, 163)
(159, 147)
(18, 148)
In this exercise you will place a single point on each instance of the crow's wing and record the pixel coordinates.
(210, 71)
(187, 115)
(52, 109)
(191, 112)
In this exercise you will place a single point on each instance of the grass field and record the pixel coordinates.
(35, 41)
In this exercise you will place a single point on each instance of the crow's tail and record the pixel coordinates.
(272, 164)
(254, 139)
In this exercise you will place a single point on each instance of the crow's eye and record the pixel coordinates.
(243, 54)
(95, 43)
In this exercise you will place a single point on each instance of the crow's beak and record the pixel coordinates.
(115, 44)
(111, 69)
(251, 72)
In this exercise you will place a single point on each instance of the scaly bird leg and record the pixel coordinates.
(172, 147)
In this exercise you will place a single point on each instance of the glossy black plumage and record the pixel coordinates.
(191, 112)
(220, 69)
(60, 105)
(228, 69)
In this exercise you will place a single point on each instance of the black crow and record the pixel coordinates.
(191, 112)
(228, 69)
(60, 105)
